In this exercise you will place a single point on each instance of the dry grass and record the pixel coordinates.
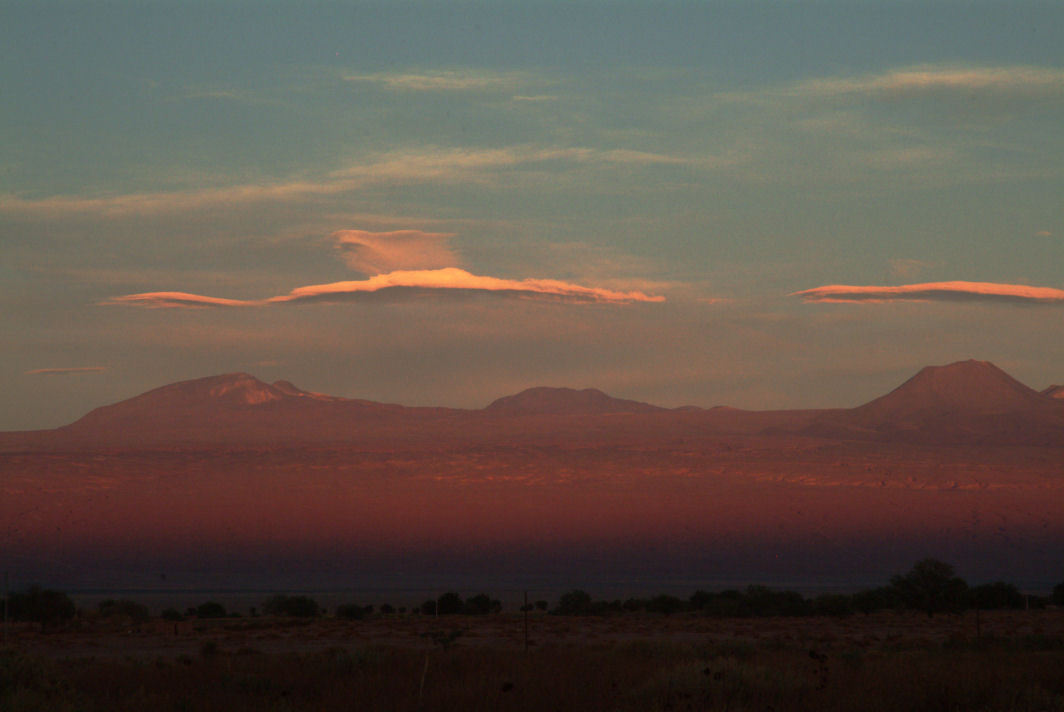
(887, 662)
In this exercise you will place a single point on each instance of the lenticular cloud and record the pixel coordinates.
(934, 291)
(402, 284)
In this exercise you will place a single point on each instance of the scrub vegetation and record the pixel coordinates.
(925, 641)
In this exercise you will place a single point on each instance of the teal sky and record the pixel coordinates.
(439, 203)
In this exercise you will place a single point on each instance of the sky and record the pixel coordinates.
(758, 204)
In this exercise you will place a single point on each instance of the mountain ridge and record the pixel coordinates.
(966, 401)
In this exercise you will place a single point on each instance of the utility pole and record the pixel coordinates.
(525, 609)
(6, 596)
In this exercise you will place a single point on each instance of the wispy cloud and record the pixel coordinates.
(936, 79)
(904, 267)
(379, 252)
(426, 165)
(75, 370)
(402, 284)
(168, 300)
(934, 291)
(444, 80)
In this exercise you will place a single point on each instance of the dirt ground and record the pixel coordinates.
(878, 631)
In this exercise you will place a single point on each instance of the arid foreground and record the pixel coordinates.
(884, 661)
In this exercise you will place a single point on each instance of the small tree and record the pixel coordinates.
(292, 606)
(932, 587)
(449, 604)
(41, 605)
(123, 608)
(210, 609)
(573, 603)
(991, 596)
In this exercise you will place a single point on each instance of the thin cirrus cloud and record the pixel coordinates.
(932, 79)
(934, 292)
(71, 371)
(399, 285)
(443, 80)
(380, 252)
(427, 165)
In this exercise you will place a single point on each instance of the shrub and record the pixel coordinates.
(481, 604)
(832, 604)
(876, 599)
(997, 595)
(292, 606)
(40, 605)
(353, 611)
(172, 614)
(136, 612)
(932, 587)
(210, 609)
(449, 604)
(573, 603)
(665, 604)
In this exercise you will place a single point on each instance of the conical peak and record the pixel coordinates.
(968, 386)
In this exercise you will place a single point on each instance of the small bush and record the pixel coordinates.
(573, 603)
(292, 606)
(132, 610)
(210, 609)
(353, 611)
(41, 605)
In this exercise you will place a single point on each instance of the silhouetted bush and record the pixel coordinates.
(997, 595)
(172, 614)
(876, 599)
(449, 604)
(932, 587)
(665, 604)
(210, 609)
(832, 604)
(635, 604)
(1058, 595)
(353, 611)
(762, 601)
(573, 603)
(41, 605)
(136, 612)
(386, 608)
(291, 606)
(481, 604)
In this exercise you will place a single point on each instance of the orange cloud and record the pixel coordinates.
(64, 371)
(381, 252)
(934, 291)
(402, 284)
(165, 300)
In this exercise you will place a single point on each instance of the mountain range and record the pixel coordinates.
(964, 402)
(236, 481)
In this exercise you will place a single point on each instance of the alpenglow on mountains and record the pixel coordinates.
(968, 401)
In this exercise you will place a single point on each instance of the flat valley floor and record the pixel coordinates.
(1008, 660)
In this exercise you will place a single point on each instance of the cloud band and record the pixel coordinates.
(402, 284)
(934, 291)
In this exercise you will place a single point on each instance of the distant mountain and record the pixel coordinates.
(565, 401)
(972, 387)
(232, 408)
(967, 401)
